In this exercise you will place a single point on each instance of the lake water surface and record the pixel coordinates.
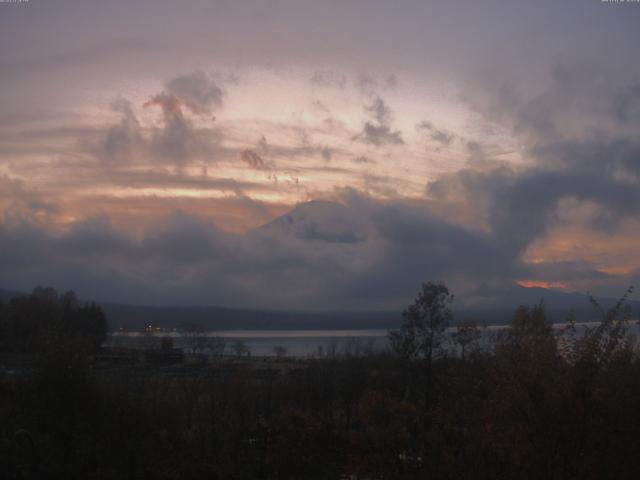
(300, 343)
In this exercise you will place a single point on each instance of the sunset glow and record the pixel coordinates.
(529, 161)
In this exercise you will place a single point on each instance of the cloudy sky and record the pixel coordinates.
(318, 155)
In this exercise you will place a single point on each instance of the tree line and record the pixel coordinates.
(31, 323)
(535, 405)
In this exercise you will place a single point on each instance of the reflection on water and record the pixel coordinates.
(298, 343)
(303, 343)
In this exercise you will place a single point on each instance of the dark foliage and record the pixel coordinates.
(29, 324)
(535, 405)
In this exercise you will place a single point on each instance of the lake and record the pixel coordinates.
(298, 343)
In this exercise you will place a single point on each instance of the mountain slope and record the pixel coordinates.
(319, 220)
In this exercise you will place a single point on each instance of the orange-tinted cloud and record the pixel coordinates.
(543, 284)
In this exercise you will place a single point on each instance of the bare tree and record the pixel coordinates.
(194, 336)
(148, 340)
(466, 335)
(218, 344)
(240, 348)
(166, 343)
(280, 351)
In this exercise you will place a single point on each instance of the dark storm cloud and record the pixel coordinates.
(365, 251)
(573, 128)
(522, 205)
(94, 237)
(374, 254)
(362, 253)
(411, 243)
(570, 133)
(606, 156)
(183, 239)
(403, 244)
(23, 247)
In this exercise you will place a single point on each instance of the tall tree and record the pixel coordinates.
(422, 332)
(425, 321)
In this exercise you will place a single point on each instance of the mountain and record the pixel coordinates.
(6, 295)
(558, 305)
(135, 317)
(319, 220)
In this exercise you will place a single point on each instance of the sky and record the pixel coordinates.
(318, 155)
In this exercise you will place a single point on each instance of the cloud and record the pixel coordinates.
(366, 84)
(576, 141)
(626, 104)
(363, 159)
(178, 140)
(360, 253)
(328, 78)
(477, 153)
(197, 91)
(474, 229)
(94, 237)
(18, 203)
(379, 132)
(326, 154)
(253, 160)
(391, 81)
(571, 272)
(183, 239)
(364, 254)
(122, 141)
(379, 110)
(438, 136)
(522, 205)
(263, 145)
(379, 135)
